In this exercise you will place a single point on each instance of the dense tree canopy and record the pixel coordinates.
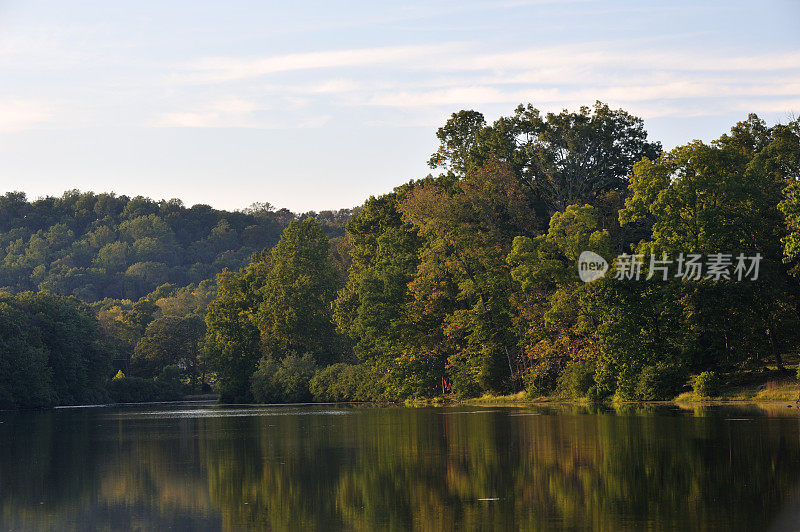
(278, 305)
(463, 282)
(95, 246)
(51, 352)
(466, 282)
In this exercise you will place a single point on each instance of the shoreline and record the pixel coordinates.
(784, 395)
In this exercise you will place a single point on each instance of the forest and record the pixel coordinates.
(462, 283)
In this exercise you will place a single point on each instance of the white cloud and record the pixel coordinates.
(18, 115)
(453, 75)
(226, 69)
(221, 113)
(458, 57)
(235, 113)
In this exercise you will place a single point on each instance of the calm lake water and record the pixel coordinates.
(209, 467)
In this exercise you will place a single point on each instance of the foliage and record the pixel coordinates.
(51, 352)
(345, 382)
(462, 286)
(706, 384)
(233, 341)
(660, 382)
(97, 246)
(462, 282)
(285, 381)
(561, 159)
(278, 304)
(456, 283)
(170, 341)
(295, 311)
(576, 379)
(140, 390)
(722, 197)
(542, 378)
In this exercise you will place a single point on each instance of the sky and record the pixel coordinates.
(318, 105)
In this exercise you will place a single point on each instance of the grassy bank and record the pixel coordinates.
(757, 387)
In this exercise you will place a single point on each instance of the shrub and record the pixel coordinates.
(293, 377)
(332, 384)
(170, 373)
(576, 379)
(345, 382)
(263, 382)
(706, 384)
(283, 382)
(541, 379)
(463, 376)
(139, 390)
(595, 394)
(660, 382)
(170, 381)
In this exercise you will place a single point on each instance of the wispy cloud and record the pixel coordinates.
(222, 69)
(18, 115)
(461, 57)
(235, 113)
(450, 75)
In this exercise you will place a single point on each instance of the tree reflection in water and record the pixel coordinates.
(365, 468)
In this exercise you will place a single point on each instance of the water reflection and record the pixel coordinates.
(200, 467)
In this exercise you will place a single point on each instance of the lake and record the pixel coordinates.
(192, 466)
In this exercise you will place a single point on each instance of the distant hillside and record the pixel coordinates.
(97, 246)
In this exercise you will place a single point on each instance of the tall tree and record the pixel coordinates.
(561, 158)
(469, 225)
(233, 340)
(295, 312)
(721, 198)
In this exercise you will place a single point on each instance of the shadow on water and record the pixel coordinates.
(207, 467)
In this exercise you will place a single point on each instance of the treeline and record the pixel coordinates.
(140, 271)
(51, 352)
(466, 282)
(463, 282)
(97, 246)
(57, 350)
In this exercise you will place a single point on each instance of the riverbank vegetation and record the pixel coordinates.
(462, 283)
(465, 283)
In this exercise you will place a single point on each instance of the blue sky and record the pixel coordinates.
(317, 105)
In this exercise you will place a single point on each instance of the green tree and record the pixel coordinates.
(233, 340)
(25, 378)
(295, 310)
(721, 198)
(462, 286)
(560, 158)
(554, 325)
(171, 340)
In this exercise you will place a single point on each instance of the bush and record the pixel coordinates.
(170, 381)
(139, 390)
(660, 382)
(283, 382)
(595, 394)
(345, 382)
(706, 384)
(465, 381)
(171, 373)
(293, 377)
(576, 379)
(542, 379)
(263, 383)
(330, 385)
